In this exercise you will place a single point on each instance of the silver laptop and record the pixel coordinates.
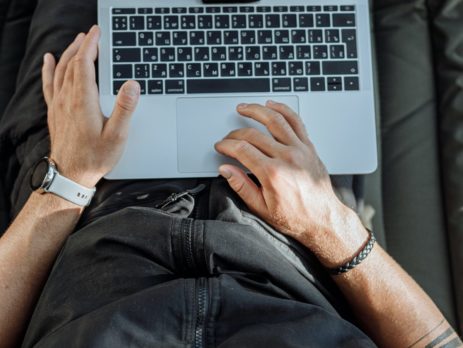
(196, 63)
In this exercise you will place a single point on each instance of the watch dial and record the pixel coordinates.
(39, 173)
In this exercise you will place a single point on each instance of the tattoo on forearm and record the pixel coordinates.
(442, 336)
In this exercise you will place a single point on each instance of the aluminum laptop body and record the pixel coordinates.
(173, 134)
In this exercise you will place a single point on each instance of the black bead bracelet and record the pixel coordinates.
(357, 260)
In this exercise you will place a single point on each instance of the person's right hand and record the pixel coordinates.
(84, 144)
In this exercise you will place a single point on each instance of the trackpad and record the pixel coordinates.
(201, 122)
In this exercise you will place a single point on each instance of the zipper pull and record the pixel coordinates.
(174, 197)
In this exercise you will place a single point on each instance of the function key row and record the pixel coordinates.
(233, 9)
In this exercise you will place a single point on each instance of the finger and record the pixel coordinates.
(67, 55)
(69, 76)
(274, 121)
(48, 73)
(293, 119)
(245, 153)
(263, 142)
(85, 60)
(248, 191)
(117, 127)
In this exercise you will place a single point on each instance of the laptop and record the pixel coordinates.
(196, 62)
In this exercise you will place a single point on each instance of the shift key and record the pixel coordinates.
(346, 67)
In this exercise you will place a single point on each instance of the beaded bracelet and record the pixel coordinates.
(357, 260)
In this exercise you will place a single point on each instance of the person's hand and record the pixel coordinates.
(84, 145)
(295, 193)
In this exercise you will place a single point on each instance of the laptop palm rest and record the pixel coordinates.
(201, 122)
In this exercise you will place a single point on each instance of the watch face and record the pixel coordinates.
(39, 173)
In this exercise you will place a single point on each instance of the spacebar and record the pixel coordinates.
(228, 86)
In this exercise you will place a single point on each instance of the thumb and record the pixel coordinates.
(248, 191)
(126, 103)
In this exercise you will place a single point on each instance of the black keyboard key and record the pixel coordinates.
(279, 69)
(235, 53)
(214, 37)
(238, 22)
(213, 9)
(263, 9)
(205, 22)
(137, 23)
(245, 69)
(323, 20)
(337, 52)
(300, 84)
(314, 8)
(124, 39)
(188, 22)
(142, 71)
(145, 38)
(122, 71)
(253, 53)
(211, 69)
(154, 22)
(150, 54)
(343, 20)
(286, 52)
(303, 52)
(306, 20)
(351, 83)
(180, 38)
(348, 8)
(227, 69)
(163, 38)
(270, 52)
(332, 36)
(176, 70)
(196, 10)
(126, 55)
(242, 85)
(312, 68)
(272, 21)
(123, 11)
(179, 10)
(222, 22)
(145, 10)
(155, 87)
(297, 9)
(171, 22)
(320, 52)
(117, 86)
(231, 37)
(248, 37)
(197, 38)
(317, 84)
(230, 9)
(119, 23)
(349, 37)
(281, 85)
(346, 67)
(175, 87)
(334, 84)
(159, 70)
(289, 21)
(184, 54)
(298, 36)
(265, 37)
(256, 21)
(282, 37)
(142, 84)
(162, 10)
(247, 9)
(296, 68)
(167, 54)
(280, 9)
(315, 36)
(202, 54)
(219, 53)
(193, 70)
(330, 8)
(262, 69)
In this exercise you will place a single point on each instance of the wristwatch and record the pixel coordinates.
(46, 179)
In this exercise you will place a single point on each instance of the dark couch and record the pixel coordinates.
(417, 191)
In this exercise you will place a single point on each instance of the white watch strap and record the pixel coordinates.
(71, 191)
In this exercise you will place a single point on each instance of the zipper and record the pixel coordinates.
(174, 197)
(201, 310)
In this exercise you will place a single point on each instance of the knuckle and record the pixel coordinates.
(125, 102)
(294, 156)
(242, 146)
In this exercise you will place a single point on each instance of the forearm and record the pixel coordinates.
(27, 252)
(391, 307)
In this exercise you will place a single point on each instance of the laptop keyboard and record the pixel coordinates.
(235, 49)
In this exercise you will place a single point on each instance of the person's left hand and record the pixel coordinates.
(84, 144)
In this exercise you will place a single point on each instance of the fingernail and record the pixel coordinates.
(271, 102)
(132, 89)
(45, 58)
(225, 173)
(242, 106)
